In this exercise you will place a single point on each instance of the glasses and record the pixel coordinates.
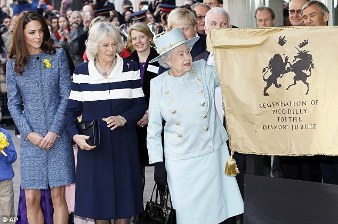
(200, 17)
(293, 11)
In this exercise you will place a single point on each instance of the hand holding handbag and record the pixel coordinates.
(91, 129)
(158, 213)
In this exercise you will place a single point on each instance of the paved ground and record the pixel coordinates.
(149, 171)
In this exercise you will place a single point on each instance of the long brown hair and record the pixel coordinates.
(18, 50)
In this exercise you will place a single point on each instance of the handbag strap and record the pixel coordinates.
(168, 197)
(152, 193)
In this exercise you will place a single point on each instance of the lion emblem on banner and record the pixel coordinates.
(279, 65)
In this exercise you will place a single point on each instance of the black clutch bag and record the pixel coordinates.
(157, 212)
(91, 129)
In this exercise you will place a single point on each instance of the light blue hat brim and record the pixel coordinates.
(189, 42)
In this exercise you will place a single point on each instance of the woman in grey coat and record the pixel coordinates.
(38, 84)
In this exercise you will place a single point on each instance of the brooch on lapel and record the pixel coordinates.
(47, 63)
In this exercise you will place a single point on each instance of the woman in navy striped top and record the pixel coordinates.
(107, 89)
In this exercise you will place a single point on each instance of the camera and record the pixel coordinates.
(3, 29)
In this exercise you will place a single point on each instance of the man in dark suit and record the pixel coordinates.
(186, 20)
(215, 18)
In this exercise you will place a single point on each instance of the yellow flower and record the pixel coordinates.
(3, 142)
(47, 63)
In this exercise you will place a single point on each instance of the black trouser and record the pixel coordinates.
(301, 168)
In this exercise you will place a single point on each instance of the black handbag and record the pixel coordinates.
(159, 213)
(91, 129)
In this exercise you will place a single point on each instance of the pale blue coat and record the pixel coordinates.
(194, 146)
(37, 102)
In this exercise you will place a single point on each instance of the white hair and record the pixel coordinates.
(98, 33)
(216, 11)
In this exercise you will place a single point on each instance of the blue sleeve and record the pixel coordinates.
(64, 90)
(15, 101)
(74, 109)
(9, 150)
(155, 125)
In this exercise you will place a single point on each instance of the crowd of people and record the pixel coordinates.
(156, 101)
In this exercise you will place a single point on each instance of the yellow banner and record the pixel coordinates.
(280, 89)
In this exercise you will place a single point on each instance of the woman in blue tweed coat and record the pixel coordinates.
(38, 84)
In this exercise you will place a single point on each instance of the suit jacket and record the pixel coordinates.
(199, 47)
(192, 126)
(204, 55)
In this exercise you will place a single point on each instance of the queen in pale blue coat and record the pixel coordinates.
(195, 150)
(38, 86)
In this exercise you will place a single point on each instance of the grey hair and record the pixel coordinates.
(219, 11)
(98, 33)
(201, 4)
(162, 60)
(321, 6)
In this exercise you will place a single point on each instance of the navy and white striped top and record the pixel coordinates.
(96, 97)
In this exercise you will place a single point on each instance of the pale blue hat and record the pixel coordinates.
(170, 40)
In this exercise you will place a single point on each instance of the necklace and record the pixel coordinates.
(105, 73)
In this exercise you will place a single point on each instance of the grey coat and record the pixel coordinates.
(37, 101)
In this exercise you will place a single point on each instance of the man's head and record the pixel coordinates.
(213, 3)
(76, 17)
(315, 13)
(265, 17)
(295, 12)
(126, 5)
(185, 20)
(216, 18)
(201, 10)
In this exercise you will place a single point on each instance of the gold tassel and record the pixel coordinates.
(231, 168)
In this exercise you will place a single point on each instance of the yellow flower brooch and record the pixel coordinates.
(3, 143)
(47, 63)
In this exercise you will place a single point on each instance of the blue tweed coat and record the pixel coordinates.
(37, 101)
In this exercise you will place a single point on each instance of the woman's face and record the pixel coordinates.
(54, 23)
(33, 36)
(150, 18)
(107, 50)
(116, 22)
(127, 15)
(180, 61)
(63, 22)
(7, 22)
(140, 41)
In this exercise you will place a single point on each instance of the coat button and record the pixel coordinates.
(204, 116)
(206, 128)
(179, 135)
(203, 104)
(166, 92)
(173, 111)
(178, 123)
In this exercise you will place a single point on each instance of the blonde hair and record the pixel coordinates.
(140, 27)
(181, 14)
(98, 33)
